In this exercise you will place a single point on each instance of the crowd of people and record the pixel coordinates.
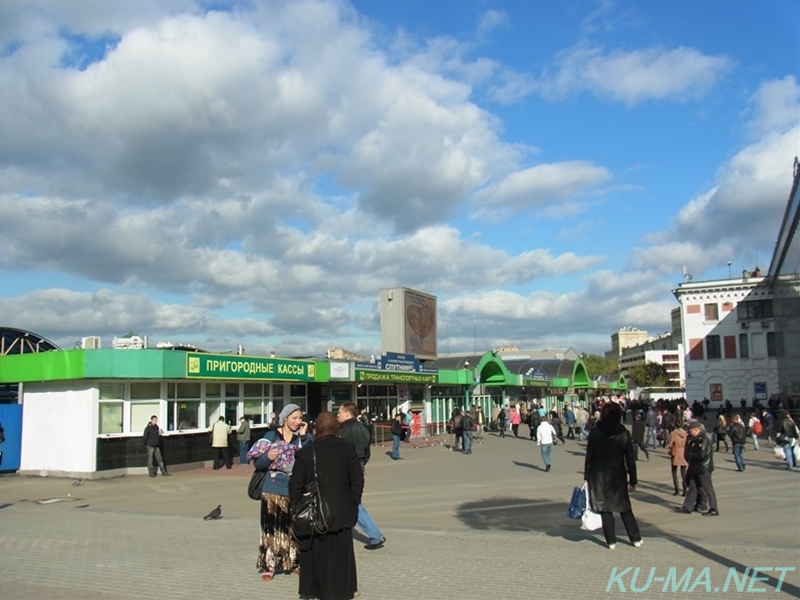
(335, 459)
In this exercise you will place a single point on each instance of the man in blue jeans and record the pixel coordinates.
(352, 430)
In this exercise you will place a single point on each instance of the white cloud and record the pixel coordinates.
(635, 76)
(744, 208)
(491, 20)
(538, 187)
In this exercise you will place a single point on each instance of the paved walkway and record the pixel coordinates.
(489, 525)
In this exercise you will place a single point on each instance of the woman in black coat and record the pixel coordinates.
(327, 562)
(610, 471)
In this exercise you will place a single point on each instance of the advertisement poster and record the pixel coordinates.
(420, 325)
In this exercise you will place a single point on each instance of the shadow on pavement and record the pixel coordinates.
(528, 465)
(515, 514)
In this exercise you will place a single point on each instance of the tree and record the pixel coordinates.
(599, 365)
(650, 375)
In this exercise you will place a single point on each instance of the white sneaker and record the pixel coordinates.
(638, 544)
(612, 546)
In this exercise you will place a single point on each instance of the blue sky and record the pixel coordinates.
(253, 173)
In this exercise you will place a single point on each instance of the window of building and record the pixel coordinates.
(696, 349)
(757, 347)
(112, 391)
(254, 401)
(774, 343)
(730, 346)
(713, 349)
(744, 347)
(145, 390)
(755, 309)
(711, 311)
(110, 417)
(141, 412)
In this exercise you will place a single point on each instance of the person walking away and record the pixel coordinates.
(582, 419)
(219, 443)
(152, 440)
(569, 417)
(467, 422)
(535, 421)
(458, 431)
(555, 421)
(545, 435)
(610, 473)
(327, 561)
(397, 435)
(637, 436)
(352, 430)
(769, 427)
(676, 449)
(787, 437)
(501, 420)
(720, 429)
(755, 428)
(243, 437)
(515, 420)
(738, 437)
(651, 422)
(480, 422)
(700, 459)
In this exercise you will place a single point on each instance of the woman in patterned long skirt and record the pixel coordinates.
(278, 552)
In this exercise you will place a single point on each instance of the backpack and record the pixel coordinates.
(467, 422)
(757, 427)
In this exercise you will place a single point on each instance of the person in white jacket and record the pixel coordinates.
(545, 434)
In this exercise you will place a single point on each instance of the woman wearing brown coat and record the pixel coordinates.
(677, 444)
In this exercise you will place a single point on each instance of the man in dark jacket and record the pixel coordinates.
(738, 436)
(700, 457)
(152, 440)
(637, 436)
(352, 430)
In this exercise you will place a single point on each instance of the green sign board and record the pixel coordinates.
(537, 383)
(227, 366)
(395, 377)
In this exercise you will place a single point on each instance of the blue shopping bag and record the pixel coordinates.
(578, 503)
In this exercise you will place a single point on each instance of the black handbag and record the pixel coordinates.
(256, 485)
(311, 514)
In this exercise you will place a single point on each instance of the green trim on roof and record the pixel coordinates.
(580, 376)
(493, 372)
(42, 366)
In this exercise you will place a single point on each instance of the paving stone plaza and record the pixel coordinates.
(492, 524)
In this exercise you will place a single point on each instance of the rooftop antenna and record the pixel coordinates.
(687, 277)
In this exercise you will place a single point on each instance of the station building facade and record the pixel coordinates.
(84, 411)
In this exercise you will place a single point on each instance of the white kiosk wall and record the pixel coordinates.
(59, 426)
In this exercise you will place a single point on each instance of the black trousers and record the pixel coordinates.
(221, 458)
(628, 520)
(682, 486)
(699, 484)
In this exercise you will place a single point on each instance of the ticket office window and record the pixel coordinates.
(145, 401)
(254, 402)
(111, 408)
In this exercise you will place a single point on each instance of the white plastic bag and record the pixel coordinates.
(796, 450)
(778, 453)
(590, 520)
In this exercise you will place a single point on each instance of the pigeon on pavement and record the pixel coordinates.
(214, 514)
